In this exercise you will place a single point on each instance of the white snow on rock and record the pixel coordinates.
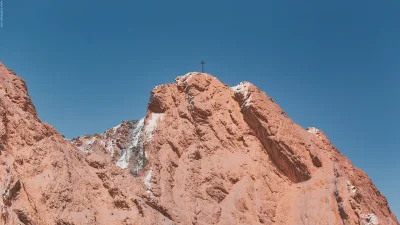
(242, 88)
(138, 129)
(152, 124)
(351, 188)
(248, 101)
(116, 128)
(128, 135)
(371, 219)
(110, 148)
(92, 141)
(123, 161)
(86, 145)
(184, 80)
(147, 182)
(3, 209)
(312, 130)
(186, 77)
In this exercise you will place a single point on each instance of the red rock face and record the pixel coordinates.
(205, 153)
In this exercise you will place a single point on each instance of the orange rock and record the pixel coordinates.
(204, 153)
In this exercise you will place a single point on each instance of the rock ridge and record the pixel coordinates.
(204, 153)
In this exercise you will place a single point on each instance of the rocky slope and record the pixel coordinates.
(204, 153)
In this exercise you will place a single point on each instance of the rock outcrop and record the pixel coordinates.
(204, 153)
(45, 179)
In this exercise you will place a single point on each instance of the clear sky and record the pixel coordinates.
(330, 64)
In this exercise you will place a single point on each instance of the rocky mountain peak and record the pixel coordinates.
(19, 123)
(204, 153)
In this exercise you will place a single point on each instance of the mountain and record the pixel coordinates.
(204, 153)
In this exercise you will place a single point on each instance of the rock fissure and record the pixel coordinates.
(286, 163)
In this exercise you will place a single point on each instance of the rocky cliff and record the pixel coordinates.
(204, 153)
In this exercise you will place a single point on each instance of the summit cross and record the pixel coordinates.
(202, 65)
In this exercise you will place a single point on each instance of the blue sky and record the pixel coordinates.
(329, 64)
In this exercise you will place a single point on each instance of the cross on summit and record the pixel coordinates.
(202, 65)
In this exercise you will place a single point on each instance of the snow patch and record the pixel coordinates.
(147, 182)
(92, 141)
(123, 161)
(110, 148)
(116, 128)
(187, 76)
(138, 131)
(102, 143)
(242, 88)
(248, 101)
(371, 219)
(151, 126)
(3, 209)
(87, 144)
(352, 189)
(312, 130)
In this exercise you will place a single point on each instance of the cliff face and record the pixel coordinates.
(204, 153)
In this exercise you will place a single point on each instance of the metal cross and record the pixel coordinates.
(202, 65)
